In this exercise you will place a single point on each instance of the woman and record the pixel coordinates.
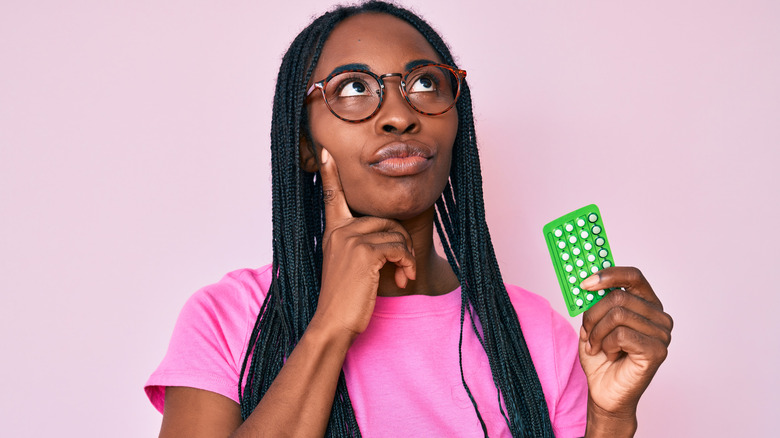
(363, 328)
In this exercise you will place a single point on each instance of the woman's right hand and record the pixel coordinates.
(354, 251)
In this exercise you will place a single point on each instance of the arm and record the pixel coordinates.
(298, 403)
(623, 340)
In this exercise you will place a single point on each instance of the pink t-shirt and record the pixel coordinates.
(402, 373)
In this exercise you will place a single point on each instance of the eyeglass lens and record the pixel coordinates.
(356, 95)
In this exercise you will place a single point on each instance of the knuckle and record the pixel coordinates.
(587, 319)
(605, 275)
(355, 242)
(397, 236)
(659, 354)
(361, 251)
(337, 233)
(619, 297)
(669, 321)
(394, 246)
(667, 338)
(622, 335)
(619, 315)
(634, 275)
(328, 195)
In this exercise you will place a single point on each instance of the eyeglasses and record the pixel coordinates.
(356, 95)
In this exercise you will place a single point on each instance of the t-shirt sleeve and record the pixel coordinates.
(553, 345)
(571, 408)
(210, 337)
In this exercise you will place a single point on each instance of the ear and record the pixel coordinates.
(309, 162)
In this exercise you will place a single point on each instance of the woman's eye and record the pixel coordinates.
(423, 84)
(353, 87)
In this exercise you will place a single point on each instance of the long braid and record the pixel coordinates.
(299, 221)
(480, 277)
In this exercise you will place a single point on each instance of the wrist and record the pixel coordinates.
(602, 423)
(321, 332)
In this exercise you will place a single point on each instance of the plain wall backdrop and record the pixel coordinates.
(135, 169)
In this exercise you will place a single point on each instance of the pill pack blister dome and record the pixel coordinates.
(578, 247)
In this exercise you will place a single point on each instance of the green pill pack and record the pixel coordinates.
(579, 248)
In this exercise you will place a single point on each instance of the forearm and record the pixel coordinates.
(299, 401)
(609, 425)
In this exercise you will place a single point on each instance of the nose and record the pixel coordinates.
(396, 116)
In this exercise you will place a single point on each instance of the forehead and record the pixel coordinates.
(383, 42)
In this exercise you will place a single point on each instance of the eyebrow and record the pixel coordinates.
(412, 64)
(358, 66)
(346, 67)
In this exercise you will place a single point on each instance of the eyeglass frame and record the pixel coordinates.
(459, 74)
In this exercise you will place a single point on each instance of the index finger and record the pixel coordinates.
(629, 278)
(336, 207)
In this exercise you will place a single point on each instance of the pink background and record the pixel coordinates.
(134, 169)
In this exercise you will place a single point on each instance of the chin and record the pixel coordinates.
(397, 211)
(399, 202)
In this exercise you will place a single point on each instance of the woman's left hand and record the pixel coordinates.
(623, 340)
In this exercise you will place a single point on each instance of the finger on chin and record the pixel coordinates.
(332, 191)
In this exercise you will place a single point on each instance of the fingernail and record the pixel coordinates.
(589, 282)
(589, 348)
(583, 334)
(324, 156)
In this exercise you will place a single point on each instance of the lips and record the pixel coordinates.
(402, 159)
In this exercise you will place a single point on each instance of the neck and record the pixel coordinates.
(434, 274)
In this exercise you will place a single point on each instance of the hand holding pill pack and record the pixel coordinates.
(579, 248)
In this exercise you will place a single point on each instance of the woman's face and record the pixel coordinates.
(396, 164)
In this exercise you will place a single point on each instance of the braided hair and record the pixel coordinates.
(299, 220)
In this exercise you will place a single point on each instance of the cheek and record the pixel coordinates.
(447, 136)
(345, 145)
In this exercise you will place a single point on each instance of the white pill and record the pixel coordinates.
(580, 223)
(575, 251)
(575, 291)
(603, 253)
(590, 297)
(591, 258)
(580, 263)
(594, 269)
(588, 246)
(561, 244)
(593, 217)
(583, 274)
(558, 233)
(579, 302)
(596, 229)
(606, 264)
(569, 227)
(569, 268)
(584, 234)
(572, 279)
(601, 292)
(600, 241)
(572, 239)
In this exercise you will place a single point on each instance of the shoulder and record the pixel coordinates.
(534, 311)
(237, 293)
(228, 306)
(209, 339)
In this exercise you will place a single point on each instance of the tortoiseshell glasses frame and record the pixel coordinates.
(366, 109)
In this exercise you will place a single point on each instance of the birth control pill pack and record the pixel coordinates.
(578, 247)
